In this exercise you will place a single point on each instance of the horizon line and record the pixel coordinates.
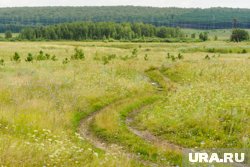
(41, 6)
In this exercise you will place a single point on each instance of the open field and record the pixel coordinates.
(185, 94)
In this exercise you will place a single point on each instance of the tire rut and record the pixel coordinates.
(149, 137)
(84, 130)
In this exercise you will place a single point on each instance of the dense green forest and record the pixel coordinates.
(15, 19)
(99, 30)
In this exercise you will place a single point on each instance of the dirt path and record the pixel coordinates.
(149, 137)
(84, 130)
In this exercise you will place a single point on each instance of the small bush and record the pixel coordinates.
(8, 34)
(66, 61)
(207, 57)
(41, 56)
(168, 57)
(193, 35)
(173, 58)
(78, 55)
(53, 58)
(124, 57)
(47, 56)
(211, 50)
(215, 37)
(16, 57)
(146, 57)
(180, 56)
(29, 58)
(1, 62)
(105, 60)
(127, 57)
(239, 35)
(135, 52)
(203, 36)
(244, 51)
(112, 56)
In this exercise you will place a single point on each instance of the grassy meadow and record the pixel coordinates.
(203, 102)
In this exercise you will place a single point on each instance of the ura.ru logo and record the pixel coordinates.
(215, 158)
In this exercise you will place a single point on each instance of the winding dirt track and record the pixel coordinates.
(149, 137)
(85, 132)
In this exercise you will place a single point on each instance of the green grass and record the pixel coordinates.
(110, 126)
(43, 102)
(210, 107)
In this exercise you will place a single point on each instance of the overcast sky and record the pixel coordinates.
(159, 3)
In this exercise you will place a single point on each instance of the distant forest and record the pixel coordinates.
(15, 19)
(99, 30)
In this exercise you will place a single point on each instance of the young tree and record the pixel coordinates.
(193, 35)
(16, 57)
(203, 36)
(1, 62)
(8, 34)
(29, 58)
(239, 35)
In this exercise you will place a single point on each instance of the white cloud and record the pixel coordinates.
(159, 3)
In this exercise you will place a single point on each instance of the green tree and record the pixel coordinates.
(16, 57)
(8, 34)
(29, 58)
(203, 36)
(79, 54)
(193, 35)
(239, 35)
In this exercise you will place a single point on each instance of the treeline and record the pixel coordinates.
(99, 30)
(16, 18)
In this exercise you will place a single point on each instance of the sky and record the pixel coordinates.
(155, 3)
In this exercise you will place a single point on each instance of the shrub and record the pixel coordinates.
(168, 56)
(128, 57)
(146, 57)
(47, 56)
(78, 55)
(8, 34)
(124, 57)
(16, 57)
(215, 37)
(66, 61)
(29, 58)
(41, 56)
(173, 58)
(244, 51)
(207, 57)
(203, 36)
(112, 56)
(53, 58)
(135, 52)
(105, 60)
(211, 50)
(180, 56)
(239, 35)
(1, 62)
(193, 35)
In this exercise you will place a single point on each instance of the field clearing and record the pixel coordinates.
(203, 101)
